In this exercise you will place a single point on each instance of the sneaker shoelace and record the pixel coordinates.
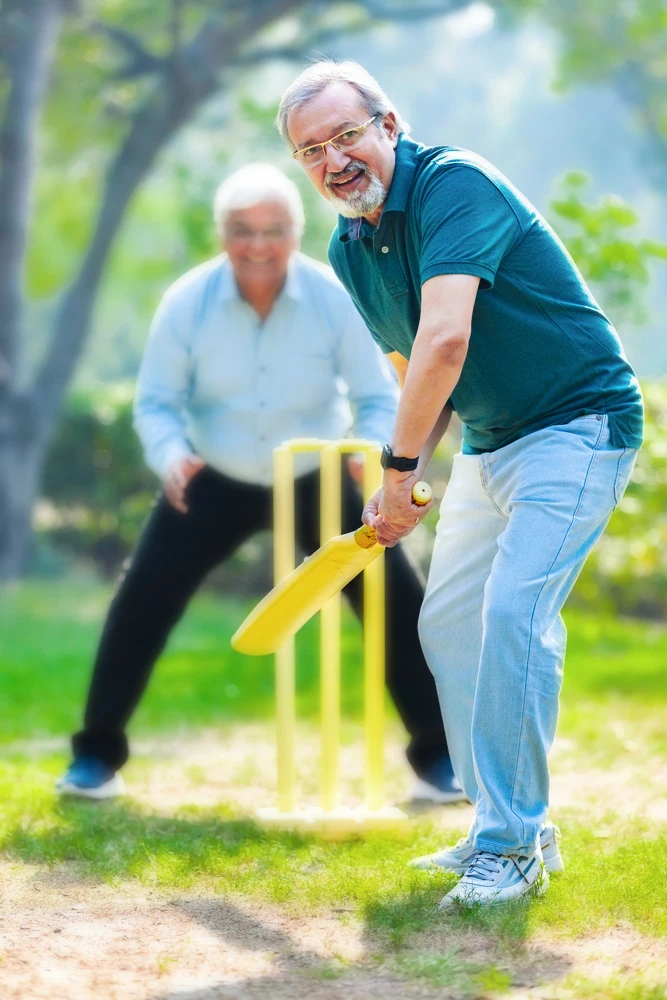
(484, 866)
(487, 865)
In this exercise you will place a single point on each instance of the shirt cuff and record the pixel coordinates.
(171, 454)
(485, 274)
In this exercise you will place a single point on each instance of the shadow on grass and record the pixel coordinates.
(111, 840)
(403, 934)
(441, 969)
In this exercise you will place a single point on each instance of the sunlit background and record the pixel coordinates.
(119, 119)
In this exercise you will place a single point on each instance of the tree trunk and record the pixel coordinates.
(187, 78)
(182, 88)
(29, 31)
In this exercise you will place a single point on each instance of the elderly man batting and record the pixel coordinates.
(254, 347)
(470, 293)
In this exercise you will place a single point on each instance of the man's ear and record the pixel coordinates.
(391, 128)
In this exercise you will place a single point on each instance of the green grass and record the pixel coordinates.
(622, 883)
(48, 635)
(614, 715)
(617, 988)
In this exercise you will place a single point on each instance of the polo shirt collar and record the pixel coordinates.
(293, 287)
(397, 199)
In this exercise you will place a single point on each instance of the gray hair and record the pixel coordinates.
(317, 77)
(252, 185)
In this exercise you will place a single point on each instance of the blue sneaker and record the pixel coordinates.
(438, 783)
(92, 779)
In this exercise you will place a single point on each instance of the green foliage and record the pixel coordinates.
(628, 569)
(602, 39)
(623, 44)
(95, 479)
(251, 137)
(615, 264)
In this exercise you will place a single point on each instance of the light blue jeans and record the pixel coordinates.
(515, 528)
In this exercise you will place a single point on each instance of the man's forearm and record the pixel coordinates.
(161, 431)
(433, 372)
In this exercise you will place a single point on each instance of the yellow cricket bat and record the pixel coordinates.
(305, 590)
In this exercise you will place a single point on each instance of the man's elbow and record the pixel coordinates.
(451, 347)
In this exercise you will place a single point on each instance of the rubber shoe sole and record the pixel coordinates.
(111, 789)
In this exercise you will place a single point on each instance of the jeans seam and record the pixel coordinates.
(618, 472)
(483, 482)
(532, 620)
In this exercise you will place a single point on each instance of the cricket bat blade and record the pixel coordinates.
(305, 591)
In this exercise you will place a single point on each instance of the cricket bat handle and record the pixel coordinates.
(366, 537)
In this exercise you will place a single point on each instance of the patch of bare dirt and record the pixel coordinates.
(64, 939)
(61, 937)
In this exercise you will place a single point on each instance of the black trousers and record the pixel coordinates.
(175, 553)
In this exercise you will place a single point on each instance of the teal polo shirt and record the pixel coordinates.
(541, 350)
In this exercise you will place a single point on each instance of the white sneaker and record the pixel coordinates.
(549, 837)
(498, 878)
(451, 859)
(456, 859)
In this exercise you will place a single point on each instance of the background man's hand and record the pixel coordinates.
(355, 466)
(177, 478)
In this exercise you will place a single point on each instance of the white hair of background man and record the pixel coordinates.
(256, 184)
(320, 75)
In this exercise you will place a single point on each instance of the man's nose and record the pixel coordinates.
(336, 160)
(258, 236)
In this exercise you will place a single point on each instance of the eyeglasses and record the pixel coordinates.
(313, 156)
(273, 234)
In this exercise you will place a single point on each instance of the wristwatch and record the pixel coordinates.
(390, 461)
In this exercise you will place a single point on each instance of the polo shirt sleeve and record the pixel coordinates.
(467, 225)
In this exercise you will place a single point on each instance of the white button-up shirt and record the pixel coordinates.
(217, 380)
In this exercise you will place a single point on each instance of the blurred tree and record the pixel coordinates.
(627, 572)
(28, 32)
(175, 54)
(624, 44)
(611, 261)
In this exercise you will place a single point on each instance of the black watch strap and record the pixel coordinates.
(390, 461)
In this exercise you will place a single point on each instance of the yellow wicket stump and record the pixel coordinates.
(330, 818)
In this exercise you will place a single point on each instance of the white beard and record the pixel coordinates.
(360, 203)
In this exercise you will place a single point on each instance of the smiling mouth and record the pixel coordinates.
(347, 182)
